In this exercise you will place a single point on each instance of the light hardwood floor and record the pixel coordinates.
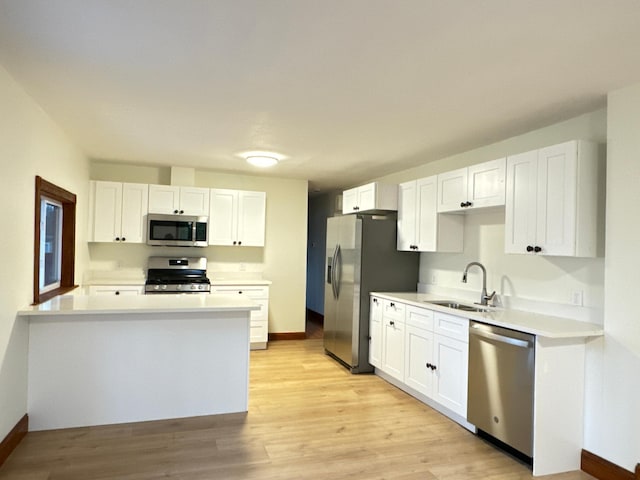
(308, 419)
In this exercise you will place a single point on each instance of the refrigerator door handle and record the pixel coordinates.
(337, 271)
(333, 272)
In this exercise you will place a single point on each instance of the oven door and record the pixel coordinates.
(177, 230)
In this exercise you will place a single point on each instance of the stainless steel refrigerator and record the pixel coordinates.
(361, 257)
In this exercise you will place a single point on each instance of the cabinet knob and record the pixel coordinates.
(429, 365)
(392, 304)
(175, 211)
(529, 248)
(391, 322)
(433, 367)
(240, 292)
(181, 211)
(117, 292)
(463, 204)
(117, 239)
(469, 204)
(375, 300)
(537, 249)
(234, 242)
(123, 239)
(239, 242)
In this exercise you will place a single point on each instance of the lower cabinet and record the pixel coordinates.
(259, 318)
(116, 289)
(425, 350)
(375, 332)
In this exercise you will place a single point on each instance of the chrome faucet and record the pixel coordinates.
(484, 298)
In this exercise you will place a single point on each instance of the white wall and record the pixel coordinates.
(613, 376)
(30, 144)
(528, 280)
(282, 260)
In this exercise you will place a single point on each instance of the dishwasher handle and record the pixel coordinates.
(477, 330)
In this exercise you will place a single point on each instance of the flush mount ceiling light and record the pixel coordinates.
(262, 161)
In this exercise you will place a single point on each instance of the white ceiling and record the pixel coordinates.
(346, 90)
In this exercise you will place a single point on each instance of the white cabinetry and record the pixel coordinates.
(426, 353)
(420, 227)
(170, 199)
(551, 200)
(481, 185)
(372, 196)
(393, 326)
(450, 361)
(237, 218)
(117, 212)
(116, 290)
(259, 334)
(375, 332)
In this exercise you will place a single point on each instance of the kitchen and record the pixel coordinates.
(611, 416)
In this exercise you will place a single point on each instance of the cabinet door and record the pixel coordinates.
(407, 203)
(367, 197)
(427, 214)
(486, 183)
(520, 204)
(375, 332)
(251, 218)
(350, 201)
(556, 199)
(452, 190)
(194, 201)
(164, 199)
(223, 217)
(418, 359)
(450, 358)
(393, 348)
(107, 211)
(135, 201)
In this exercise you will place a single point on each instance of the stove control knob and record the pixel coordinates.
(156, 287)
(194, 286)
(164, 287)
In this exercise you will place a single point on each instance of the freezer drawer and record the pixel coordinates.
(500, 387)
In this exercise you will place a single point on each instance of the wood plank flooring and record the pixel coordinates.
(308, 419)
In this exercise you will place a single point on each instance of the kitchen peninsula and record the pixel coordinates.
(97, 360)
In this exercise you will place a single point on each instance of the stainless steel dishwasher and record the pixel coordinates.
(501, 376)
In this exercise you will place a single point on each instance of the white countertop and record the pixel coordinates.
(528, 322)
(220, 282)
(139, 304)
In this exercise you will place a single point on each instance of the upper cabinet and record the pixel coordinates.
(170, 199)
(237, 217)
(117, 212)
(372, 196)
(481, 185)
(552, 199)
(420, 227)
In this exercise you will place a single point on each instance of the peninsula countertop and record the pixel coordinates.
(138, 304)
(537, 324)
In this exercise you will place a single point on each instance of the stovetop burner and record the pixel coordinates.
(177, 275)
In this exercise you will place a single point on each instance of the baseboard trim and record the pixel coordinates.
(603, 469)
(287, 336)
(13, 438)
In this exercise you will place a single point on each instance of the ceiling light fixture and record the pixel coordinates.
(262, 161)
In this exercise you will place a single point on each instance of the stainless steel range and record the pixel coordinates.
(177, 275)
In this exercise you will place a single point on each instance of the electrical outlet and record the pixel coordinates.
(577, 298)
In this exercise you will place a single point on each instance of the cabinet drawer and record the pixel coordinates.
(451, 326)
(419, 318)
(250, 291)
(116, 289)
(394, 310)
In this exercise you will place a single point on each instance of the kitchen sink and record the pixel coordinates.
(457, 306)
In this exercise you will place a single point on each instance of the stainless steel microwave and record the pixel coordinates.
(177, 230)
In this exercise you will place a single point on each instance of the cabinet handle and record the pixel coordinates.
(391, 322)
(392, 305)
(462, 204)
(240, 292)
(529, 248)
(537, 249)
(433, 367)
(117, 239)
(239, 242)
(234, 242)
(181, 211)
(429, 365)
(375, 300)
(117, 292)
(175, 211)
(469, 204)
(123, 239)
